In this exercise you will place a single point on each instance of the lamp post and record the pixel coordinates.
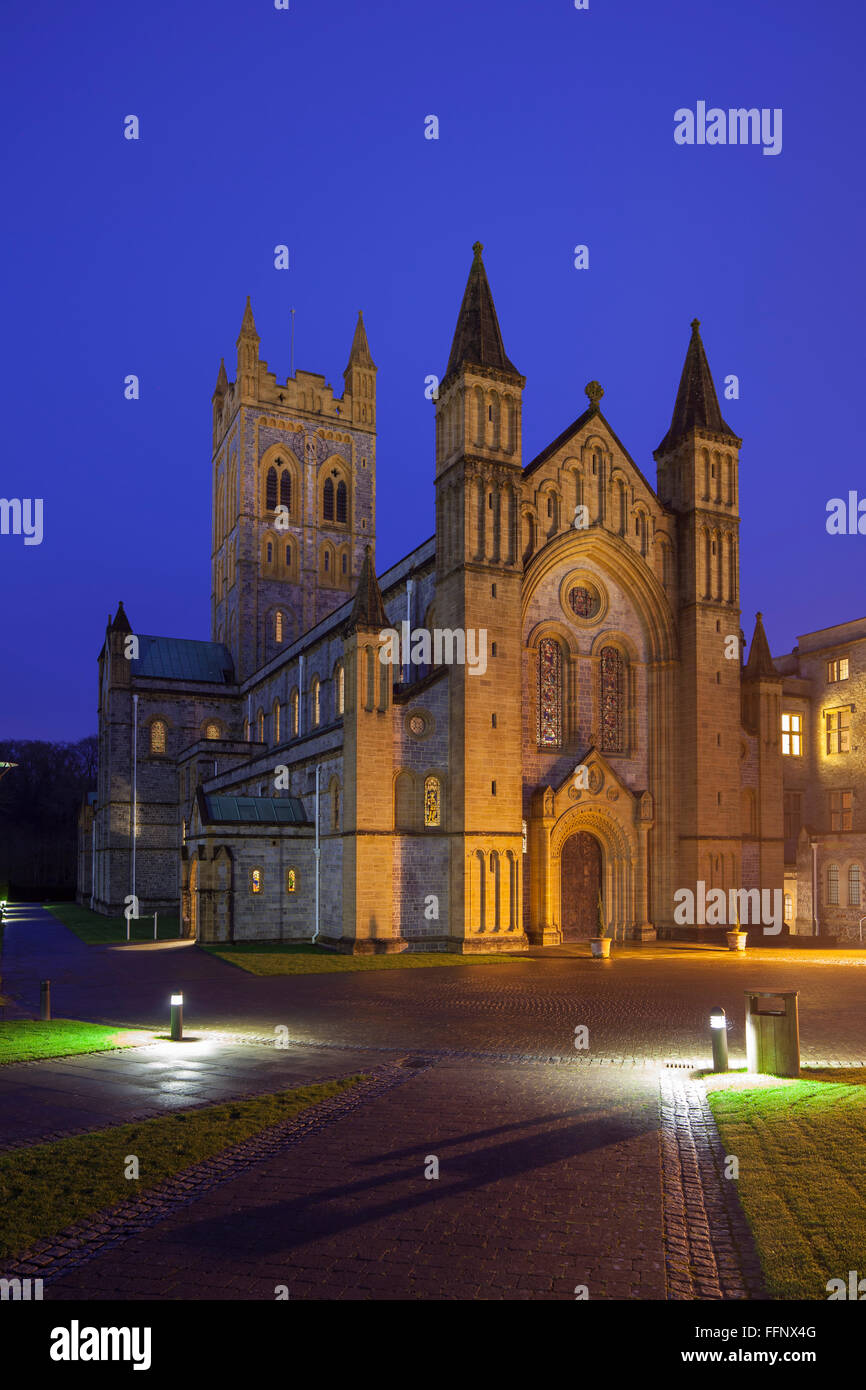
(719, 1034)
(176, 1017)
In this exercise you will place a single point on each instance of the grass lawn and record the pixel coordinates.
(106, 931)
(46, 1188)
(23, 1040)
(801, 1146)
(268, 958)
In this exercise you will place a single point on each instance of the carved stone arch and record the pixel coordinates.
(327, 565)
(282, 459)
(334, 470)
(622, 870)
(270, 558)
(528, 531)
(405, 797)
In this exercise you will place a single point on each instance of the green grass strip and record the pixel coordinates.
(801, 1146)
(48, 1187)
(96, 930)
(26, 1040)
(265, 958)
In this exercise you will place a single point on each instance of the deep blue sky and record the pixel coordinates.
(306, 127)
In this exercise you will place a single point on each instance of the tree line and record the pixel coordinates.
(39, 802)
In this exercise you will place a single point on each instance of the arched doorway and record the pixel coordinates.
(193, 900)
(581, 884)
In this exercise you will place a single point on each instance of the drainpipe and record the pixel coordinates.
(316, 851)
(815, 925)
(134, 782)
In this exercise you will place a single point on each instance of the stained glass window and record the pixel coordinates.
(549, 693)
(157, 736)
(278, 626)
(584, 601)
(612, 712)
(291, 880)
(212, 731)
(432, 801)
(256, 878)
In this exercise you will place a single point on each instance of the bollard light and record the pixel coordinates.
(719, 1034)
(176, 1017)
(45, 1000)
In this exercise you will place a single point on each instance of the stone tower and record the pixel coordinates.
(294, 471)
(763, 808)
(478, 587)
(698, 462)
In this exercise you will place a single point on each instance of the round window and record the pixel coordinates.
(417, 725)
(584, 601)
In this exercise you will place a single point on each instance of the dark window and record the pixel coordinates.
(345, 563)
(288, 554)
(342, 509)
(286, 490)
(271, 490)
(328, 500)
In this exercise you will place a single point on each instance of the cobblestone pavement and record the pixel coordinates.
(558, 1167)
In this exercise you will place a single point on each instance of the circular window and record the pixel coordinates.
(584, 601)
(417, 725)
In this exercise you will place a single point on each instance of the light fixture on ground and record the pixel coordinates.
(719, 1034)
(176, 1017)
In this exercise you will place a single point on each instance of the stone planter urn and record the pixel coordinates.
(600, 946)
(736, 939)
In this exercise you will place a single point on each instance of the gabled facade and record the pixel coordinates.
(566, 733)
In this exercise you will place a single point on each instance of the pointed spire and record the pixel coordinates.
(477, 338)
(697, 405)
(760, 663)
(248, 323)
(360, 354)
(368, 610)
(120, 622)
(222, 381)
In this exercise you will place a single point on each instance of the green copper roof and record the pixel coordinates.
(287, 810)
(177, 659)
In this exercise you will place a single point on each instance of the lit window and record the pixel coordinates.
(833, 884)
(276, 721)
(291, 880)
(260, 720)
(256, 880)
(295, 704)
(854, 885)
(316, 702)
(841, 810)
(789, 907)
(212, 731)
(549, 693)
(432, 801)
(792, 735)
(341, 690)
(278, 627)
(157, 736)
(838, 730)
(838, 670)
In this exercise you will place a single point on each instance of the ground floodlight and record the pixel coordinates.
(719, 1034)
(176, 1017)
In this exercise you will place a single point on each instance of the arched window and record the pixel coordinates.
(854, 885)
(340, 689)
(212, 731)
(327, 562)
(342, 502)
(612, 701)
(247, 730)
(260, 721)
(432, 801)
(328, 500)
(286, 490)
(271, 490)
(345, 562)
(404, 801)
(295, 708)
(278, 626)
(276, 717)
(158, 730)
(291, 880)
(833, 884)
(270, 552)
(549, 693)
(257, 878)
(314, 692)
(288, 555)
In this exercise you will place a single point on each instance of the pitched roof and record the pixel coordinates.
(284, 810)
(477, 338)
(176, 658)
(368, 610)
(760, 663)
(697, 405)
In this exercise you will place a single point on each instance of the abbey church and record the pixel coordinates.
(289, 780)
